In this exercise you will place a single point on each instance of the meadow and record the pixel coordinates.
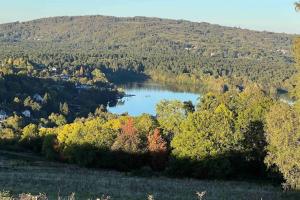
(28, 173)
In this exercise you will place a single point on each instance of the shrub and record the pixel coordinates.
(83, 154)
(50, 147)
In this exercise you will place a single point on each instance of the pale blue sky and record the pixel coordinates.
(271, 15)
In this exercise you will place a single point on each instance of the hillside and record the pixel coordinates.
(149, 45)
(27, 173)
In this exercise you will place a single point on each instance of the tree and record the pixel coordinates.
(30, 132)
(206, 138)
(50, 147)
(145, 124)
(64, 109)
(7, 135)
(158, 151)
(57, 119)
(283, 136)
(252, 106)
(297, 6)
(188, 106)
(30, 137)
(170, 114)
(15, 122)
(296, 51)
(129, 141)
(129, 148)
(99, 76)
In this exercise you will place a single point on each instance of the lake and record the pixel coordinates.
(142, 98)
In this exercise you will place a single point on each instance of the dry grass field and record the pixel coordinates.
(26, 173)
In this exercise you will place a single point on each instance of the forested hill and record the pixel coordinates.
(152, 44)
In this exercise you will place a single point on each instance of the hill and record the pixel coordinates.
(152, 45)
(28, 173)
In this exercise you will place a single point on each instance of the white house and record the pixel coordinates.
(65, 77)
(3, 115)
(38, 97)
(83, 86)
(26, 113)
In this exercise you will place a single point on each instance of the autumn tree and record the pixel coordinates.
(158, 150)
(128, 140)
(129, 148)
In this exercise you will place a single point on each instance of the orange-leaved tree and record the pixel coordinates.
(129, 141)
(158, 151)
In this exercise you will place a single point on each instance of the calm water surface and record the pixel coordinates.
(142, 98)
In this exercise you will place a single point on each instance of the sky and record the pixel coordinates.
(268, 15)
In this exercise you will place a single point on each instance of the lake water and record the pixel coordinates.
(142, 98)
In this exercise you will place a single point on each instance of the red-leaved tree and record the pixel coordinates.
(158, 151)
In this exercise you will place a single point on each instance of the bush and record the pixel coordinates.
(50, 147)
(83, 154)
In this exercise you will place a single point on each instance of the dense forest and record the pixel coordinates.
(57, 75)
(190, 52)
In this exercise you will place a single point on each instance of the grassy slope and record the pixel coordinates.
(26, 173)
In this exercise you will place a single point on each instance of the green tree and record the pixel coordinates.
(98, 75)
(30, 132)
(30, 137)
(170, 115)
(296, 51)
(57, 119)
(252, 106)
(145, 124)
(206, 138)
(283, 136)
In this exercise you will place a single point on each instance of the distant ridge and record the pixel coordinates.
(176, 46)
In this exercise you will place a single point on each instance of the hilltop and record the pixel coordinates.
(151, 44)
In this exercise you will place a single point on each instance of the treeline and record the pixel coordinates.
(230, 135)
(152, 46)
